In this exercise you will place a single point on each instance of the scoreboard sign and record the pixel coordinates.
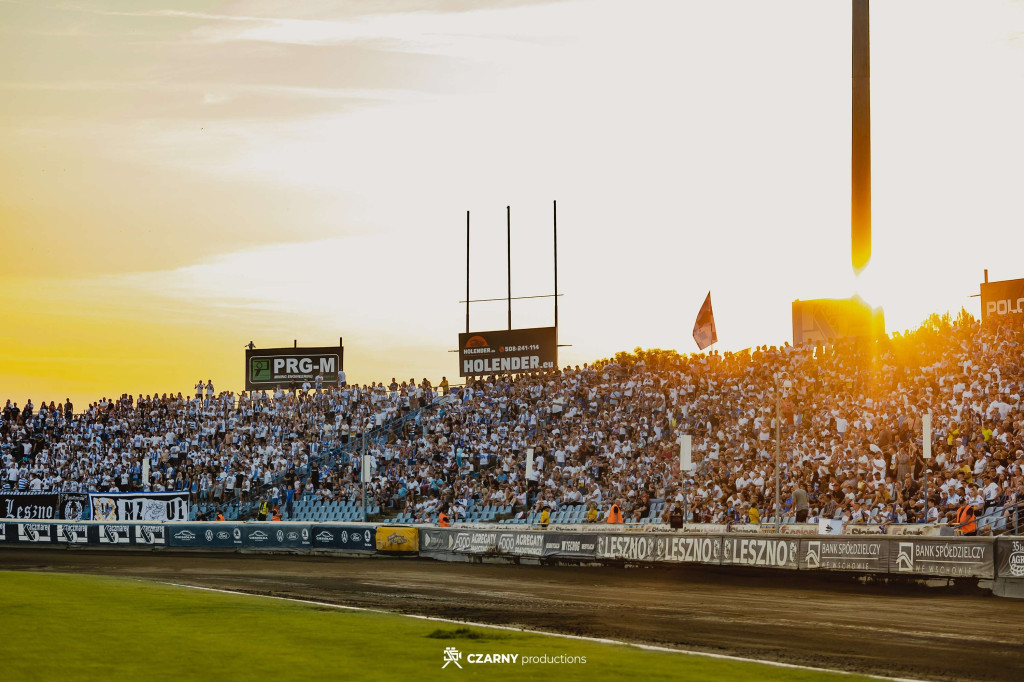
(509, 351)
(270, 368)
(825, 319)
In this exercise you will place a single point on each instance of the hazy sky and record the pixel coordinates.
(177, 178)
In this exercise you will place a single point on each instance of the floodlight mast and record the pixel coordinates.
(860, 147)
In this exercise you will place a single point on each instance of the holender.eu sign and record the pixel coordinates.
(512, 351)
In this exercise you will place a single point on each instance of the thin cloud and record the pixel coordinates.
(206, 16)
(235, 89)
(433, 31)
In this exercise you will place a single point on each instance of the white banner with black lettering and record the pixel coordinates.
(139, 506)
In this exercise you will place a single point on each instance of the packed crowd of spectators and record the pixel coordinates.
(849, 417)
(217, 447)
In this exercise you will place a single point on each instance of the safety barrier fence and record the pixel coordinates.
(270, 536)
(958, 557)
(922, 556)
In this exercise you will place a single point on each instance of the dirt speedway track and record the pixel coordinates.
(927, 633)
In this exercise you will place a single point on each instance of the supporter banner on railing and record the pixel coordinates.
(761, 551)
(29, 505)
(74, 506)
(957, 559)
(918, 529)
(357, 538)
(570, 545)
(139, 506)
(791, 529)
(508, 351)
(863, 529)
(845, 554)
(1009, 558)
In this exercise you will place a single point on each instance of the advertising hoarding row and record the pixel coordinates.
(949, 557)
(984, 558)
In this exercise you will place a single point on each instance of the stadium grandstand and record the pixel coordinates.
(847, 415)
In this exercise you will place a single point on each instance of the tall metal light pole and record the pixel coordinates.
(685, 463)
(926, 447)
(860, 147)
(778, 456)
(362, 474)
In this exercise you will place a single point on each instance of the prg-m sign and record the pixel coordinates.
(270, 368)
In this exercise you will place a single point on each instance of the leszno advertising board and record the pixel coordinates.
(761, 551)
(677, 549)
(1002, 298)
(270, 368)
(509, 351)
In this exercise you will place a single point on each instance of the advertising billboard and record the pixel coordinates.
(824, 319)
(270, 368)
(1002, 298)
(510, 351)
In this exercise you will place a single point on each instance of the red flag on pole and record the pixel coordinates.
(704, 328)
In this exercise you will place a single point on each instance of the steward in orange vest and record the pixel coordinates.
(965, 520)
(442, 520)
(614, 514)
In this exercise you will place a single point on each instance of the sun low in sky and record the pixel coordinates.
(179, 178)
